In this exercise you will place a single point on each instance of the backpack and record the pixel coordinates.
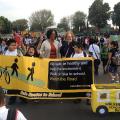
(116, 58)
(12, 112)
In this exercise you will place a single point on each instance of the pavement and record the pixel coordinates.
(64, 109)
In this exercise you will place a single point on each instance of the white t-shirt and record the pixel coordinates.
(95, 51)
(4, 113)
(11, 53)
(78, 55)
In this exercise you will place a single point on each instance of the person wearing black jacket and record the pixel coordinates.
(67, 49)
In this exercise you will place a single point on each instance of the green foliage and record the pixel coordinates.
(20, 25)
(99, 13)
(78, 20)
(5, 25)
(64, 24)
(116, 15)
(40, 20)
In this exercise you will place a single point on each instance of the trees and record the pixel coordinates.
(116, 15)
(78, 21)
(99, 14)
(40, 20)
(20, 25)
(5, 25)
(64, 24)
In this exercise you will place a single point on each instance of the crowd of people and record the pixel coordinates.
(51, 45)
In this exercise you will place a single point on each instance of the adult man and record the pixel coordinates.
(8, 114)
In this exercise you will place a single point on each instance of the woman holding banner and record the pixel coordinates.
(67, 45)
(50, 48)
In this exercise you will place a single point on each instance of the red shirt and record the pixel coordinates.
(53, 51)
(18, 39)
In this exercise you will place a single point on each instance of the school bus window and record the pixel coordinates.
(103, 96)
(118, 97)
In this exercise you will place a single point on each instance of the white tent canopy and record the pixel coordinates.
(52, 27)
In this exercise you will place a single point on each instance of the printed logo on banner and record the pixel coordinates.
(103, 96)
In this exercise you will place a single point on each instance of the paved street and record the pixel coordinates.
(63, 110)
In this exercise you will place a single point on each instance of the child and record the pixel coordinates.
(32, 52)
(12, 49)
(78, 51)
(111, 63)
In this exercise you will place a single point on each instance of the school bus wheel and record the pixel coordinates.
(102, 110)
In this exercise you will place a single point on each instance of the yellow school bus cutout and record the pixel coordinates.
(35, 78)
(105, 98)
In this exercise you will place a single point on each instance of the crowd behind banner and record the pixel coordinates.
(52, 45)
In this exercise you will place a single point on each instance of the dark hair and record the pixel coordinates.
(49, 32)
(78, 44)
(31, 46)
(115, 44)
(35, 54)
(106, 35)
(93, 40)
(9, 42)
(2, 96)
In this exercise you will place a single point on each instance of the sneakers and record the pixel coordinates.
(113, 81)
(117, 81)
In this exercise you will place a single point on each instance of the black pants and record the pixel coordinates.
(104, 61)
(14, 71)
(12, 99)
(96, 65)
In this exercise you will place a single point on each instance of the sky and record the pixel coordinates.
(18, 9)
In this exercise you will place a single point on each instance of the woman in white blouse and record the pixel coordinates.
(50, 48)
